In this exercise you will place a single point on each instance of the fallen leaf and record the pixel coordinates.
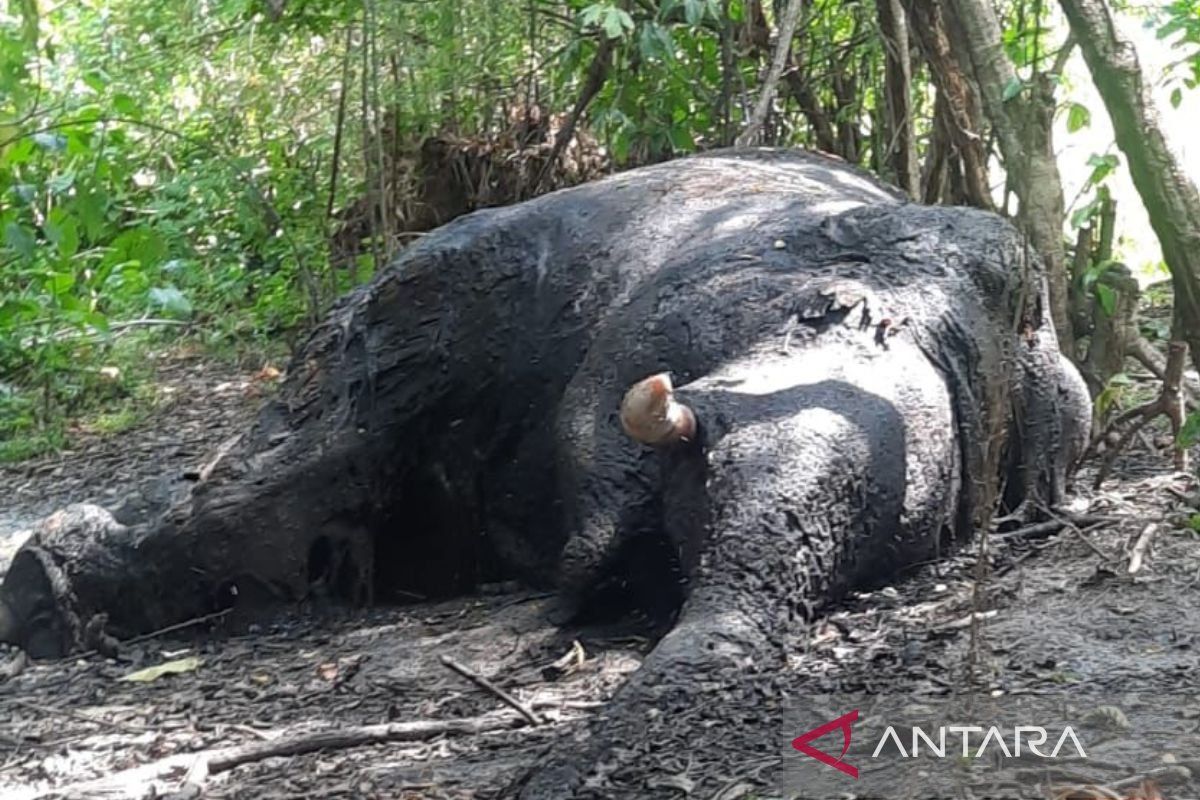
(176, 667)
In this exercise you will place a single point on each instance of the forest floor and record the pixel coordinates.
(1057, 609)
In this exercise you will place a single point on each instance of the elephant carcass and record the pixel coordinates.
(854, 368)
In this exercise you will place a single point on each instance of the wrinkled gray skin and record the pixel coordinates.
(456, 421)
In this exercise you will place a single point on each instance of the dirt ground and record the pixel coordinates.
(1057, 609)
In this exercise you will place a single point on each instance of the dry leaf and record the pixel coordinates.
(176, 667)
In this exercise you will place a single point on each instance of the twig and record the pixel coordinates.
(178, 626)
(484, 683)
(1137, 555)
(79, 715)
(1082, 534)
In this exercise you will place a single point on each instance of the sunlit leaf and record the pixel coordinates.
(126, 105)
(95, 80)
(1078, 117)
(1102, 166)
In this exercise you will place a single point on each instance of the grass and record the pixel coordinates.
(27, 445)
(106, 391)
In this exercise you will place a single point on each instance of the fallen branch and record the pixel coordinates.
(1040, 530)
(487, 685)
(1169, 403)
(344, 738)
(138, 781)
(1137, 555)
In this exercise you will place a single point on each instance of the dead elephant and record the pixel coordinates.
(855, 368)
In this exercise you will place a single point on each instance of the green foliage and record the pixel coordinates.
(1112, 395)
(1179, 21)
(182, 168)
(1102, 167)
(1189, 434)
(1078, 117)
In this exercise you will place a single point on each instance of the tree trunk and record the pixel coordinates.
(1023, 125)
(1113, 326)
(960, 97)
(901, 146)
(766, 94)
(1171, 199)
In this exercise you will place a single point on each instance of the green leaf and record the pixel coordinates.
(1078, 117)
(1081, 215)
(95, 80)
(92, 207)
(1013, 88)
(19, 239)
(61, 184)
(126, 105)
(591, 15)
(1176, 97)
(177, 667)
(693, 11)
(1094, 272)
(63, 232)
(171, 301)
(616, 22)
(1102, 167)
(1107, 298)
(19, 152)
(655, 41)
(11, 310)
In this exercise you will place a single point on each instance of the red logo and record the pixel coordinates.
(843, 723)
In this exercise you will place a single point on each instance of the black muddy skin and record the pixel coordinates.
(455, 422)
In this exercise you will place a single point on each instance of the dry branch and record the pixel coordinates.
(487, 685)
(139, 781)
(766, 96)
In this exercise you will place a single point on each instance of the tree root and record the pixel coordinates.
(1169, 403)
